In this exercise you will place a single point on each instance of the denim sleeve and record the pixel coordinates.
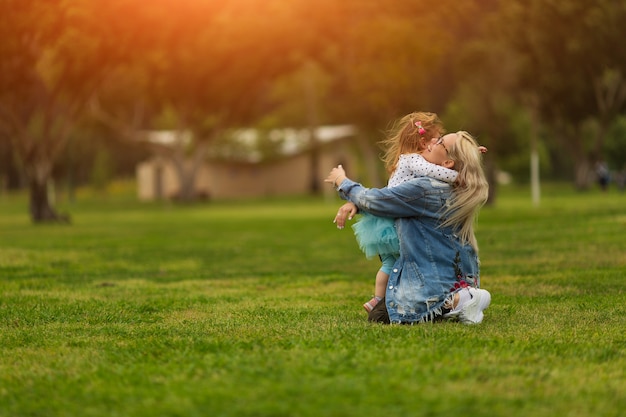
(405, 200)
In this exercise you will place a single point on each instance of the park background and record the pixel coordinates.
(87, 86)
(192, 305)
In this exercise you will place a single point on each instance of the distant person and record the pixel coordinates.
(436, 275)
(602, 173)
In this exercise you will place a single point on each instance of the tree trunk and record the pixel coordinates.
(186, 179)
(187, 169)
(40, 209)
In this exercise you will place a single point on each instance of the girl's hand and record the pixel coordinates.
(336, 176)
(347, 211)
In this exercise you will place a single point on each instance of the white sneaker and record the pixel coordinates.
(464, 297)
(472, 312)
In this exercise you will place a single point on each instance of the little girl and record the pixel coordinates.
(408, 138)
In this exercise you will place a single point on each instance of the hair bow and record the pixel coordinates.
(420, 129)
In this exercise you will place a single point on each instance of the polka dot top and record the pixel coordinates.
(413, 165)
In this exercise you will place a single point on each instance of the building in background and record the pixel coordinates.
(249, 174)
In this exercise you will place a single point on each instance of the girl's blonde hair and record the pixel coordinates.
(405, 136)
(471, 187)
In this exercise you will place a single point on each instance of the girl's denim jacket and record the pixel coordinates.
(433, 262)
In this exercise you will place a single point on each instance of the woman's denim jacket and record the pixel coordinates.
(433, 262)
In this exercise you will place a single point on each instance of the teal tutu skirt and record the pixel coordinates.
(376, 235)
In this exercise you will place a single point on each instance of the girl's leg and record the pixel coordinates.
(381, 284)
(382, 277)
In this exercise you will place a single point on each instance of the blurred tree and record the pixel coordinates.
(207, 69)
(388, 59)
(615, 149)
(376, 61)
(75, 165)
(200, 68)
(570, 58)
(101, 171)
(10, 177)
(50, 65)
(485, 74)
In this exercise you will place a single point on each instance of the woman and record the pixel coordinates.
(437, 274)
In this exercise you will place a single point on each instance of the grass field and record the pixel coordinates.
(254, 309)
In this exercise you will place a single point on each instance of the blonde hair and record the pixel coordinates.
(404, 136)
(471, 187)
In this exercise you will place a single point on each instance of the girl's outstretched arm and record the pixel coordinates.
(347, 211)
(336, 176)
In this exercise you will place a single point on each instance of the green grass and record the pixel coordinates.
(254, 309)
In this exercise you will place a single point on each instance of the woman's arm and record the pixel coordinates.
(405, 200)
